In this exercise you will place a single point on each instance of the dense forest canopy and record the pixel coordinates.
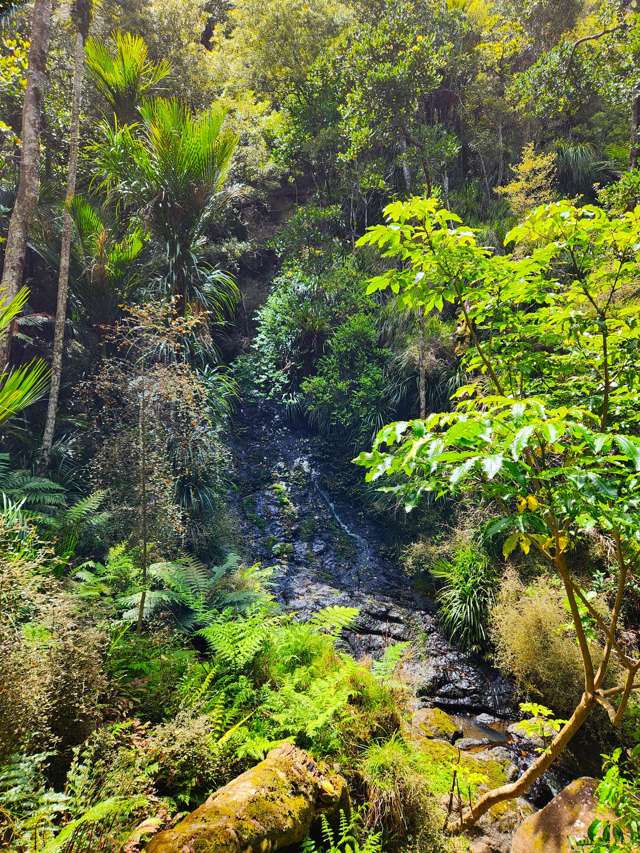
(248, 250)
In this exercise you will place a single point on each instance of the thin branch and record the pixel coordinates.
(594, 37)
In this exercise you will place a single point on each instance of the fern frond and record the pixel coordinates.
(84, 509)
(102, 811)
(335, 619)
(385, 668)
(238, 641)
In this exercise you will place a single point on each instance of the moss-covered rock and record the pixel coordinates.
(434, 723)
(567, 816)
(268, 808)
(480, 771)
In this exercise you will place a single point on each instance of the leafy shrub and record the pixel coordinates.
(300, 314)
(622, 195)
(468, 587)
(355, 390)
(533, 641)
(145, 669)
(190, 759)
(308, 231)
(619, 791)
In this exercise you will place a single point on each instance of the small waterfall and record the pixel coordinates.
(362, 546)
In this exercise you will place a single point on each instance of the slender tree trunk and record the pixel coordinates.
(406, 171)
(65, 253)
(142, 432)
(534, 772)
(29, 181)
(635, 128)
(422, 366)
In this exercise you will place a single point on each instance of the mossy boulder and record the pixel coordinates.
(434, 723)
(480, 771)
(267, 808)
(567, 816)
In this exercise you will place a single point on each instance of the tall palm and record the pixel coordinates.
(172, 168)
(81, 14)
(122, 72)
(21, 387)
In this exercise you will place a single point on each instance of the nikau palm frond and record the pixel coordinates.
(106, 262)
(123, 73)
(23, 385)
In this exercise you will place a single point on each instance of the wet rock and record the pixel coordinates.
(267, 808)
(531, 740)
(472, 742)
(434, 723)
(567, 816)
(318, 547)
(504, 759)
(300, 551)
(486, 719)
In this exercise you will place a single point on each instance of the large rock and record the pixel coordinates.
(268, 808)
(435, 723)
(567, 816)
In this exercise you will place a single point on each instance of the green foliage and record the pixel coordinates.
(350, 837)
(21, 386)
(542, 724)
(466, 595)
(335, 619)
(29, 809)
(306, 691)
(237, 642)
(105, 261)
(399, 797)
(173, 165)
(300, 314)
(144, 670)
(623, 195)
(386, 667)
(619, 791)
(123, 73)
(354, 390)
(36, 494)
(194, 592)
(79, 833)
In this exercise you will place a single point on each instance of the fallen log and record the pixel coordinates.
(267, 808)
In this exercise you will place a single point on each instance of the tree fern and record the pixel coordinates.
(196, 594)
(38, 494)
